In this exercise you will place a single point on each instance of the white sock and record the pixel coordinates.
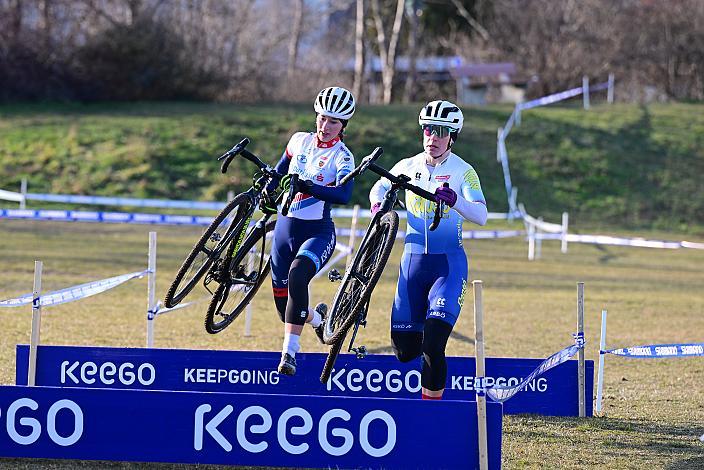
(291, 344)
(317, 319)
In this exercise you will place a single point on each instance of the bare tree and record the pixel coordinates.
(358, 50)
(295, 37)
(387, 53)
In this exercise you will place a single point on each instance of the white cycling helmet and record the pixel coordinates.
(442, 113)
(335, 102)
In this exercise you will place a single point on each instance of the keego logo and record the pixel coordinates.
(31, 428)
(107, 373)
(254, 420)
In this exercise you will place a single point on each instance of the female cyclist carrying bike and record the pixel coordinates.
(304, 239)
(433, 272)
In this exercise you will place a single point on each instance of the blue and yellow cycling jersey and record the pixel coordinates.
(460, 176)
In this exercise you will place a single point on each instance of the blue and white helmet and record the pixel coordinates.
(335, 102)
(442, 113)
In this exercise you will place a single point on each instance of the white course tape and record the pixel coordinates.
(74, 293)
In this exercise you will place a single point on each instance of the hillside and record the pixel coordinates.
(623, 165)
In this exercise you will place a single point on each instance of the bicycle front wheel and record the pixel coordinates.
(361, 277)
(208, 249)
(330, 360)
(248, 268)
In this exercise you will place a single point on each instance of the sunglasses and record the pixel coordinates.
(440, 131)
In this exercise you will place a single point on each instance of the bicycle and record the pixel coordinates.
(220, 255)
(350, 305)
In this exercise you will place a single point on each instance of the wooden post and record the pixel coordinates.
(480, 375)
(600, 374)
(36, 324)
(151, 290)
(580, 363)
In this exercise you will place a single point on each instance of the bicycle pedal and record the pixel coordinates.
(334, 275)
(360, 352)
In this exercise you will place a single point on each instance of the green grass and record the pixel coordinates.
(654, 408)
(621, 165)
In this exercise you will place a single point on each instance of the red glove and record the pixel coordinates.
(446, 195)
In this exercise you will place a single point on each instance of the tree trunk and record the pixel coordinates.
(409, 92)
(295, 38)
(388, 57)
(359, 52)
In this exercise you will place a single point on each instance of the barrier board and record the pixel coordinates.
(553, 394)
(242, 429)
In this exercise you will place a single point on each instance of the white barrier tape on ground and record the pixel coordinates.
(655, 351)
(541, 225)
(125, 201)
(638, 242)
(11, 196)
(503, 393)
(74, 293)
(545, 100)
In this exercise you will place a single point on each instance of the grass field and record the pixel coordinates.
(654, 408)
(623, 165)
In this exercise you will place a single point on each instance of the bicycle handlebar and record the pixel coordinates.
(240, 149)
(363, 165)
(403, 181)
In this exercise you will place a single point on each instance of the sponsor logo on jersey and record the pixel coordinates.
(347, 159)
(321, 163)
(319, 177)
(418, 175)
(442, 178)
(302, 159)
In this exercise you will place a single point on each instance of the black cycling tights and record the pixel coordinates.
(294, 308)
(431, 343)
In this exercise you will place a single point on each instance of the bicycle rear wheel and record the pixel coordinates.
(208, 249)
(361, 278)
(247, 269)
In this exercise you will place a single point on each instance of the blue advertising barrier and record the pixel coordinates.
(242, 429)
(553, 394)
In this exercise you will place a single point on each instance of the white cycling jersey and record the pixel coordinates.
(470, 205)
(323, 163)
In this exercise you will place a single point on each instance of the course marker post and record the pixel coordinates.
(585, 92)
(248, 309)
(563, 239)
(580, 366)
(480, 373)
(36, 323)
(602, 354)
(151, 289)
(353, 233)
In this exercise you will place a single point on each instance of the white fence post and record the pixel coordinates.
(531, 242)
(23, 191)
(602, 354)
(151, 290)
(580, 363)
(36, 324)
(480, 373)
(538, 240)
(565, 222)
(248, 309)
(499, 138)
(610, 89)
(585, 91)
(353, 234)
